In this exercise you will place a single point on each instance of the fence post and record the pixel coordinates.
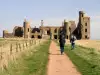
(35, 42)
(32, 42)
(26, 44)
(20, 46)
(16, 47)
(10, 49)
(39, 41)
(23, 46)
(1, 52)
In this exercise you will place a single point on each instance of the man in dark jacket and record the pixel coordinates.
(62, 41)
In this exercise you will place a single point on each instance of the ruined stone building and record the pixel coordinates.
(81, 31)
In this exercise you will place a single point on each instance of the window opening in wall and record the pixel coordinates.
(67, 36)
(55, 31)
(55, 36)
(85, 24)
(32, 36)
(85, 30)
(28, 29)
(82, 15)
(86, 36)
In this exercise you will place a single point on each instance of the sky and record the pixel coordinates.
(53, 12)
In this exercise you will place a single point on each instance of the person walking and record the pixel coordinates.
(72, 41)
(62, 41)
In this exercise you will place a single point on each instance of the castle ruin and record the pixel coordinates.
(81, 31)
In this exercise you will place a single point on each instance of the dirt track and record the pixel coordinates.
(60, 64)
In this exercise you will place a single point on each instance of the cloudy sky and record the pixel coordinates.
(53, 12)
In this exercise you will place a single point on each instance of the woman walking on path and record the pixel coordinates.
(62, 41)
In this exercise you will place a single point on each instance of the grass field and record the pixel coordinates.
(87, 60)
(89, 43)
(33, 64)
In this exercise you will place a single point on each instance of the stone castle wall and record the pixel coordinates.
(81, 31)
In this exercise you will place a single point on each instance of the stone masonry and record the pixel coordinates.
(81, 31)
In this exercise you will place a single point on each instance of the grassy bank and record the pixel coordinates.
(87, 60)
(32, 64)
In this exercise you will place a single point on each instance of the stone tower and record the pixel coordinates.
(81, 16)
(84, 26)
(41, 30)
(26, 29)
(66, 29)
(41, 23)
(4, 33)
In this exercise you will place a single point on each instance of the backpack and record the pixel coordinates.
(72, 39)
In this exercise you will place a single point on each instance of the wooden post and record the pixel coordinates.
(1, 53)
(39, 41)
(30, 42)
(20, 46)
(16, 47)
(35, 42)
(26, 44)
(23, 46)
(10, 48)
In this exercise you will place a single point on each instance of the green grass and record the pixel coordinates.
(87, 61)
(33, 64)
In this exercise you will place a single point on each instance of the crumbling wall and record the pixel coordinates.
(7, 35)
